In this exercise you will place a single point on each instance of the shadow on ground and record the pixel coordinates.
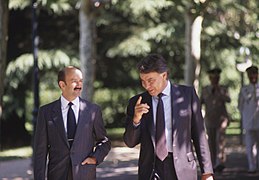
(121, 164)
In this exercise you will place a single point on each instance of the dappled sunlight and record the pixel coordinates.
(120, 161)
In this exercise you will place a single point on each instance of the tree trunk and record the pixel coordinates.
(3, 51)
(192, 49)
(87, 48)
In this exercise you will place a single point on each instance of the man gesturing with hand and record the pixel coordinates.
(166, 121)
(140, 109)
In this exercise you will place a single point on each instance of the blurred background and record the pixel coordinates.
(106, 38)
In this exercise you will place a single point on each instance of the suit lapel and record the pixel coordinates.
(58, 121)
(149, 116)
(175, 99)
(82, 118)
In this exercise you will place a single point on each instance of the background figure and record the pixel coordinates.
(248, 105)
(166, 120)
(215, 97)
(72, 136)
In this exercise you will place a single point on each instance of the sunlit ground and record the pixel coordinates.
(121, 161)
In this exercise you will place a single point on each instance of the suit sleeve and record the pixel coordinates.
(40, 147)
(199, 136)
(103, 144)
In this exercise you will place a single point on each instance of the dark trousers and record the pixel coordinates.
(166, 169)
(69, 172)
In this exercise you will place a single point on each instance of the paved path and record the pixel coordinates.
(121, 164)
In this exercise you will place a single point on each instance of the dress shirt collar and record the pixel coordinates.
(64, 102)
(166, 91)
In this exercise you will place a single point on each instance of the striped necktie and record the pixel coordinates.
(161, 149)
(71, 124)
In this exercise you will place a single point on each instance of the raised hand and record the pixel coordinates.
(140, 109)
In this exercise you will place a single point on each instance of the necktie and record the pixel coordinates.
(71, 124)
(161, 149)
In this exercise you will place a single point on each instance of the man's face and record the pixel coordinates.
(73, 84)
(214, 79)
(253, 77)
(154, 82)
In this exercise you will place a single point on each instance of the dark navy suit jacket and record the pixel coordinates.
(50, 140)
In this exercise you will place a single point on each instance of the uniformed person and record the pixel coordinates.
(215, 97)
(248, 105)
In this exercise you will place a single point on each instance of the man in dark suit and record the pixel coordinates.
(170, 154)
(70, 135)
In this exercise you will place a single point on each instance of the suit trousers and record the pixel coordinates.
(69, 172)
(166, 169)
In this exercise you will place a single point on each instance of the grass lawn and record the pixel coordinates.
(16, 153)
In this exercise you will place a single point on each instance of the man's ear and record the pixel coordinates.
(61, 84)
(165, 75)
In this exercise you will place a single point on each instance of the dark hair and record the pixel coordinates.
(152, 63)
(62, 72)
(215, 71)
(252, 70)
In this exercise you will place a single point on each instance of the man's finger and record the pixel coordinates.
(139, 100)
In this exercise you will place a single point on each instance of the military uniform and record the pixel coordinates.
(215, 97)
(248, 105)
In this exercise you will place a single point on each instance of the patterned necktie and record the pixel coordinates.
(161, 149)
(71, 124)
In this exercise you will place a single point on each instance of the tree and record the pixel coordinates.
(193, 29)
(87, 48)
(3, 50)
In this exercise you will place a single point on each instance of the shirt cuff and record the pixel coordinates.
(136, 125)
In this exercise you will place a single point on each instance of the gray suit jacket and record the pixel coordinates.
(51, 141)
(188, 131)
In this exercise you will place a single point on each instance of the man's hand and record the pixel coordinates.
(140, 109)
(89, 160)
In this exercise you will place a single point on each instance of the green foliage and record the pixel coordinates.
(146, 7)
(18, 153)
(15, 4)
(19, 78)
(17, 70)
(57, 6)
(114, 103)
(115, 133)
(132, 46)
(140, 25)
(127, 30)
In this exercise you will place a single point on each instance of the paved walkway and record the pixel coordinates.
(121, 164)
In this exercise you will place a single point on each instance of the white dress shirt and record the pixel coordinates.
(64, 109)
